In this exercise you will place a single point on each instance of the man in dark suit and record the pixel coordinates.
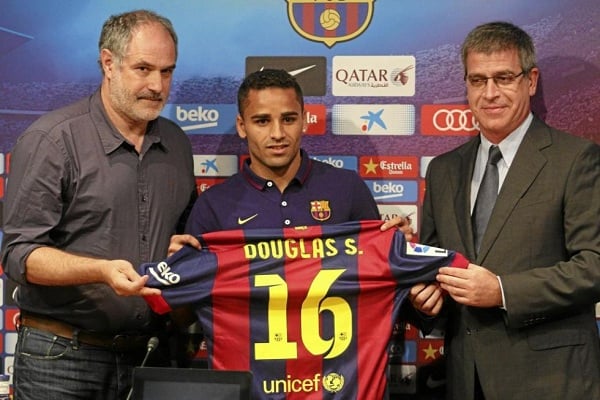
(520, 320)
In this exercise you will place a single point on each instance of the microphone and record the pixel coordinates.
(150, 347)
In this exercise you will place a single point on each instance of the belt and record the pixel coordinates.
(117, 343)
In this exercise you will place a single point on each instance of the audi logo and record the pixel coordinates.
(454, 120)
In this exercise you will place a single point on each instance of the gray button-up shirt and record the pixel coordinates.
(76, 184)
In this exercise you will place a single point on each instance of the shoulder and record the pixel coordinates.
(53, 120)
(557, 143)
(56, 126)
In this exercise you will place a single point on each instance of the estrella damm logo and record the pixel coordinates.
(319, 210)
(330, 21)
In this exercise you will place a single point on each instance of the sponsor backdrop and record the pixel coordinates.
(383, 82)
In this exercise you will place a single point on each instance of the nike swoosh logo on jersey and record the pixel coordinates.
(435, 383)
(242, 221)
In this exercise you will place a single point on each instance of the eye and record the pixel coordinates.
(167, 71)
(504, 79)
(261, 121)
(477, 80)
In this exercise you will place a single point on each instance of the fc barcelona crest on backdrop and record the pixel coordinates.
(330, 21)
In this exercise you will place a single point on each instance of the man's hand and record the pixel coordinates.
(178, 241)
(475, 286)
(125, 281)
(427, 298)
(403, 224)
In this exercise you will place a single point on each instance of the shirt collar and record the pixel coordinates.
(110, 137)
(262, 184)
(509, 145)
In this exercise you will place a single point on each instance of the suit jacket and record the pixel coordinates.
(543, 240)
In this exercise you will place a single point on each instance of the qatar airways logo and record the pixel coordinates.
(373, 76)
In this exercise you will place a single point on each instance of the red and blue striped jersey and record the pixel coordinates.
(309, 310)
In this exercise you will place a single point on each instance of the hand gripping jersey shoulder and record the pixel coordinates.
(309, 310)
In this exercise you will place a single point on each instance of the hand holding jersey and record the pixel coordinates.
(306, 309)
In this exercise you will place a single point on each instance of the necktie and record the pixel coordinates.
(486, 197)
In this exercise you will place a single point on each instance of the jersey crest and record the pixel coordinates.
(319, 209)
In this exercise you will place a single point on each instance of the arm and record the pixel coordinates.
(551, 266)
(38, 192)
(53, 267)
(565, 277)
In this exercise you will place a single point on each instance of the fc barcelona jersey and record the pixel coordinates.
(309, 310)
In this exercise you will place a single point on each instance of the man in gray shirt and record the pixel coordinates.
(96, 188)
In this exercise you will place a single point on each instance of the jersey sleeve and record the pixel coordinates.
(413, 263)
(184, 278)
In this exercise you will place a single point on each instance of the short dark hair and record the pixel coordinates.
(267, 78)
(117, 30)
(499, 36)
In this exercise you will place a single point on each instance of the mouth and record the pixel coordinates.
(152, 99)
(277, 148)
(493, 109)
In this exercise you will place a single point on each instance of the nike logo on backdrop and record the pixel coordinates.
(297, 71)
(242, 221)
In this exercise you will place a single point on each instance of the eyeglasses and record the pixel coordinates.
(501, 80)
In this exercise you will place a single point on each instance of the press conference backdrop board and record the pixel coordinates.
(383, 82)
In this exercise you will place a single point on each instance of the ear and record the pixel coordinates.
(534, 75)
(107, 60)
(240, 126)
(304, 123)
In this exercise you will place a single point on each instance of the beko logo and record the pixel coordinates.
(164, 275)
(392, 191)
(203, 119)
(208, 116)
(346, 162)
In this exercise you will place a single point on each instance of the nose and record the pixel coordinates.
(155, 81)
(277, 130)
(491, 88)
